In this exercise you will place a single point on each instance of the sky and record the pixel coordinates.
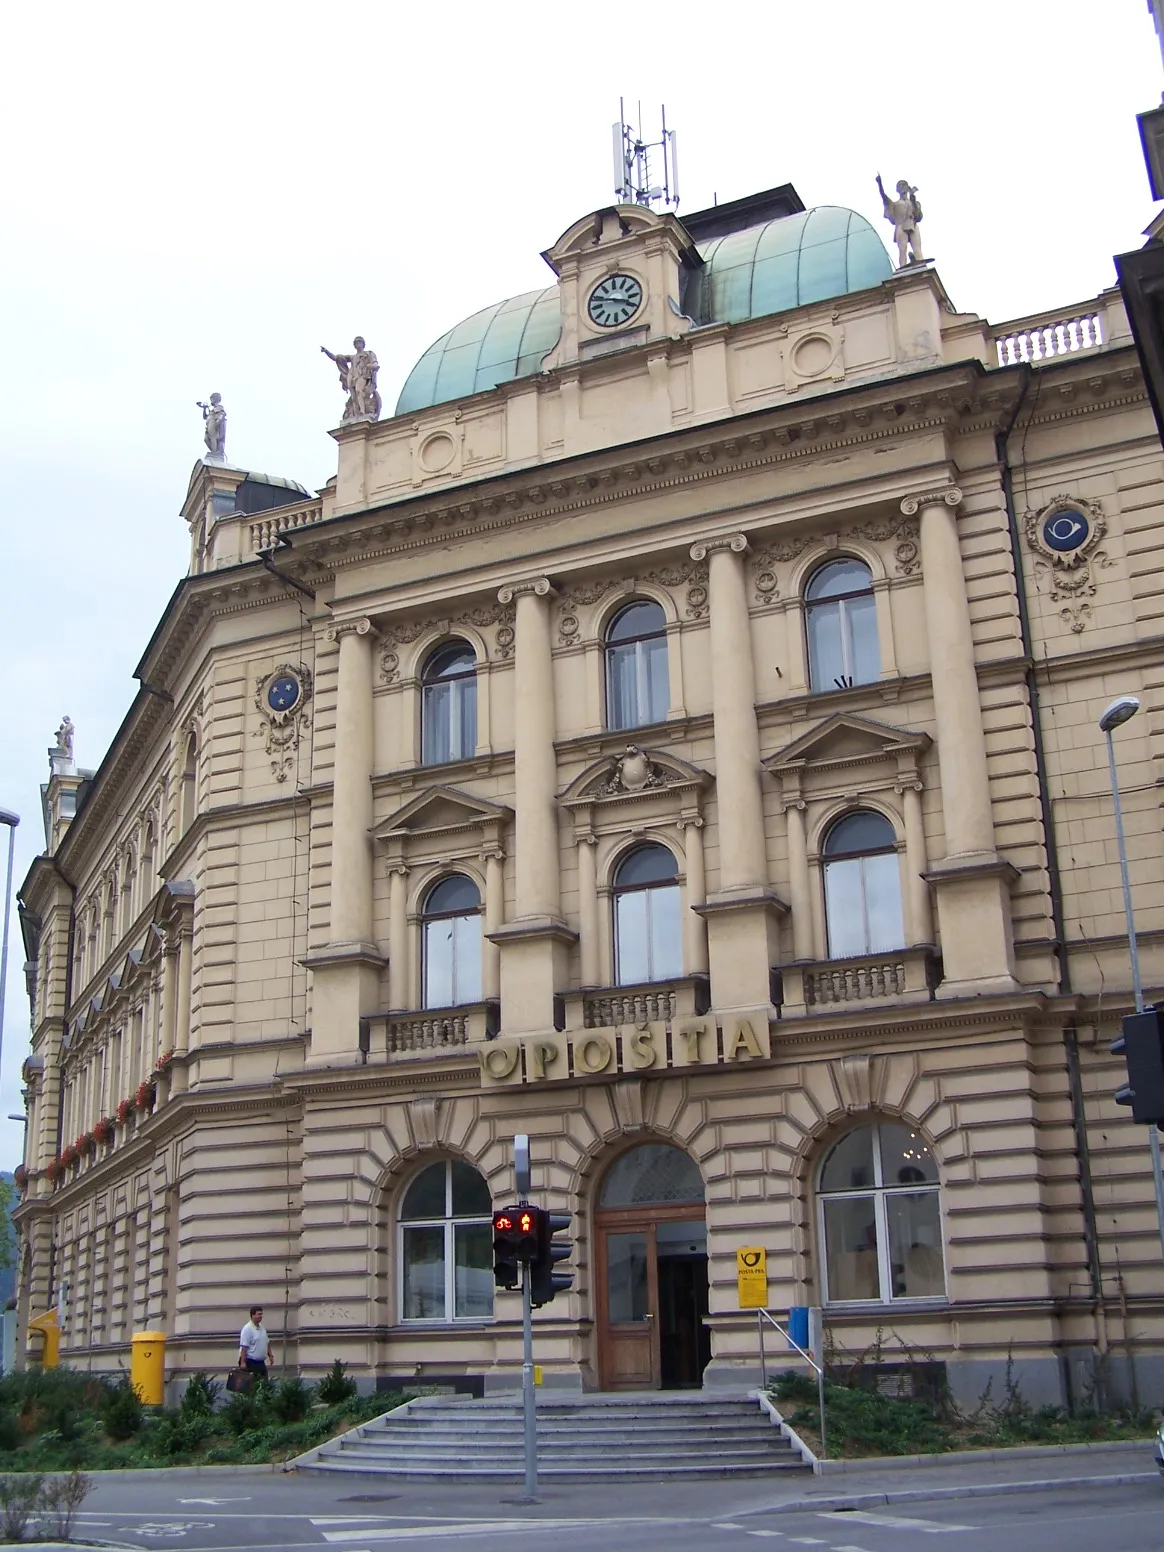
(195, 198)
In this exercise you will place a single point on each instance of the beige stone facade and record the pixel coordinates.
(236, 933)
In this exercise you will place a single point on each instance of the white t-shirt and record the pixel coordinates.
(253, 1339)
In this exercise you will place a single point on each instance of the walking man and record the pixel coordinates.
(253, 1344)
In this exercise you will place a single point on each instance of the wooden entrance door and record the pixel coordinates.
(629, 1335)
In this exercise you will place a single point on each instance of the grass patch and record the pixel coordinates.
(58, 1420)
(863, 1422)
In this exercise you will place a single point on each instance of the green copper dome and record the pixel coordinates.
(770, 268)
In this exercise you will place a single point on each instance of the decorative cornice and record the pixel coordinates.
(950, 496)
(737, 543)
(540, 587)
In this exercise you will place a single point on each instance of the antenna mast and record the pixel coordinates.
(645, 171)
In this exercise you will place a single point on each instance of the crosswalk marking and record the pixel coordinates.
(727, 1525)
(765, 1533)
(895, 1521)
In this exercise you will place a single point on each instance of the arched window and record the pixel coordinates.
(446, 1245)
(448, 712)
(841, 617)
(648, 938)
(652, 1174)
(862, 885)
(637, 691)
(880, 1217)
(149, 847)
(451, 951)
(127, 892)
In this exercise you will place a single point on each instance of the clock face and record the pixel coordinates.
(1065, 530)
(614, 300)
(283, 692)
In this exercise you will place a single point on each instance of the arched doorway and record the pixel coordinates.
(650, 1235)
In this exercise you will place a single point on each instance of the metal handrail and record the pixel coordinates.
(763, 1315)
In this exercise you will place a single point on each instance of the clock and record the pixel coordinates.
(614, 300)
(1065, 529)
(283, 692)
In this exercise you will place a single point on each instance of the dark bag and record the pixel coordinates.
(240, 1380)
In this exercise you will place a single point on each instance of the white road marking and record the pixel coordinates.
(851, 1548)
(469, 1528)
(806, 1541)
(765, 1533)
(896, 1521)
(245, 1498)
(727, 1525)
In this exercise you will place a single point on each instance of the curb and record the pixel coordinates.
(978, 1457)
(965, 1490)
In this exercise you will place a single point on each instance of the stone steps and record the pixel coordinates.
(582, 1438)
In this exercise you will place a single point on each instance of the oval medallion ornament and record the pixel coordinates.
(283, 692)
(614, 300)
(1065, 530)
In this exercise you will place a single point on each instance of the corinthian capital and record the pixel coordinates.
(360, 626)
(541, 587)
(736, 542)
(950, 496)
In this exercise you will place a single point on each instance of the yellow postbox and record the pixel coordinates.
(147, 1366)
(50, 1333)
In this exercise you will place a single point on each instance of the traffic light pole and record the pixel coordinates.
(527, 1389)
(1137, 984)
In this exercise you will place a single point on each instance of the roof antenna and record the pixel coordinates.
(633, 170)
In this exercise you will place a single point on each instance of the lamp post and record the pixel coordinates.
(1122, 710)
(11, 820)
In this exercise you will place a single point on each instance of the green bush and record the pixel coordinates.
(176, 1433)
(11, 1436)
(247, 1409)
(200, 1396)
(335, 1386)
(121, 1411)
(794, 1385)
(291, 1399)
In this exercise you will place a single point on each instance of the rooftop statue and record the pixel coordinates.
(906, 214)
(64, 737)
(214, 431)
(357, 374)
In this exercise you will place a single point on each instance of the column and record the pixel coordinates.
(346, 973)
(536, 891)
(169, 994)
(921, 926)
(737, 736)
(799, 887)
(533, 943)
(399, 997)
(971, 881)
(494, 918)
(740, 913)
(588, 912)
(695, 935)
(351, 813)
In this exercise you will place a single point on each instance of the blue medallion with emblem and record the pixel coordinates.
(1065, 530)
(283, 692)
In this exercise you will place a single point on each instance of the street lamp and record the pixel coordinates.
(1122, 710)
(11, 820)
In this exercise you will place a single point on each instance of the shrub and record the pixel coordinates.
(19, 1498)
(335, 1386)
(61, 1497)
(11, 1433)
(794, 1385)
(247, 1409)
(291, 1400)
(201, 1395)
(178, 1433)
(122, 1411)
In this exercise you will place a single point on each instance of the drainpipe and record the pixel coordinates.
(1054, 877)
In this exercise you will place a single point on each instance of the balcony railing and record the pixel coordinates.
(266, 529)
(649, 1003)
(428, 1032)
(909, 975)
(1039, 339)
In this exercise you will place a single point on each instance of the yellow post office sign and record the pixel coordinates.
(752, 1276)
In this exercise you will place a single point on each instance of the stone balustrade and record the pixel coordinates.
(649, 1003)
(267, 528)
(907, 975)
(429, 1032)
(1040, 339)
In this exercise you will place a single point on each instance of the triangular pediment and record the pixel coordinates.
(441, 808)
(844, 739)
(633, 772)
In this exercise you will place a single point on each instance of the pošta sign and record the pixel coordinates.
(752, 1276)
(641, 1049)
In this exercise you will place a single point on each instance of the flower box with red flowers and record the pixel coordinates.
(124, 1110)
(69, 1155)
(54, 1169)
(144, 1097)
(163, 1064)
(103, 1131)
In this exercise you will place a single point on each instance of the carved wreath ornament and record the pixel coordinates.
(283, 713)
(1065, 536)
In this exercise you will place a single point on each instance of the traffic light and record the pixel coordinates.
(544, 1281)
(1142, 1046)
(515, 1239)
